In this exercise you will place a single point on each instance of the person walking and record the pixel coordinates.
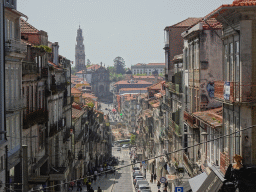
(79, 185)
(154, 177)
(99, 189)
(158, 184)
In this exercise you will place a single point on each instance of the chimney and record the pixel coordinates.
(55, 50)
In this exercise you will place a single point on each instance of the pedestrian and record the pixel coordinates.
(99, 189)
(158, 184)
(154, 177)
(95, 175)
(166, 184)
(85, 180)
(79, 185)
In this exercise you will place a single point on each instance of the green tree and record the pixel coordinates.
(133, 138)
(119, 65)
(73, 70)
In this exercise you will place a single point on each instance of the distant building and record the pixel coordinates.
(148, 68)
(131, 84)
(80, 54)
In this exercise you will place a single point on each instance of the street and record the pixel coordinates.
(121, 181)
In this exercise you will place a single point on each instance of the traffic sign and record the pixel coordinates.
(143, 162)
(163, 180)
(178, 189)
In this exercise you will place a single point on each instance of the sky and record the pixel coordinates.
(131, 29)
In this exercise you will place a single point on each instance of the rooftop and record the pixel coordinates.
(212, 117)
(25, 27)
(185, 23)
(94, 67)
(124, 82)
(75, 91)
(157, 86)
(76, 113)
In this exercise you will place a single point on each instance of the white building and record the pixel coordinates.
(148, 69)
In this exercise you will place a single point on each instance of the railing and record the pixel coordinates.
(174, 87)
(38, 116)
(60, 87)
(234, 91)
(15, 103)
(29, 67)
(15, 45)
(55, 128)
(44, 72)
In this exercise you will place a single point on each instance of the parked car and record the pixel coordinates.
(135, 168)
(136, 173)
(125, 146)
(143, 188)
(106, 108)
(139, 177)
(118, 149)
(141, 182)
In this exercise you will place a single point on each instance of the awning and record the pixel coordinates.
(186, 186)
(151, 161)
(197, 181)
(114, 110)
(38, 179)
(211, 184)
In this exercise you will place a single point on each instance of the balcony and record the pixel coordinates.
(174, 88)
(175, 127)
(15, 45)
(235, 92)
(36, 117)
(29, 68)
(15, 104)
(55, 128)
(44, 72)
(57, 88)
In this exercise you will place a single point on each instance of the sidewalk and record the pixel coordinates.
(153, 185)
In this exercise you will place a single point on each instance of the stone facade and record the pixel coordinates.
(100, 82)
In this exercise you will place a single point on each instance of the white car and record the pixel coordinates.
(143, 188)
(141, 182)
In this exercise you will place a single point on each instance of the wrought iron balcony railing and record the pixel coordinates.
(15, 45)
(29, 68)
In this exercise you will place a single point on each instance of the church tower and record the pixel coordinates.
(80, 54)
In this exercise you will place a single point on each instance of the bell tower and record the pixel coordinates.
(80, 54)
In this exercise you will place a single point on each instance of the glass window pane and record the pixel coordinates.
(231, 65)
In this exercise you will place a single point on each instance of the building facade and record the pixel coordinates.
(147, 69)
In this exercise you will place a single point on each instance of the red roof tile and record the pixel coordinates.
(185, 23)
(157, 64)
(236, 3)
(75, 91)
(157, 86)
(130, 89)
(89, 95)
(25, 27)
(94, 67)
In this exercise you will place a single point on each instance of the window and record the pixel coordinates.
(237, 60)
(237, 136)
(231, 65)
(226, 74)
